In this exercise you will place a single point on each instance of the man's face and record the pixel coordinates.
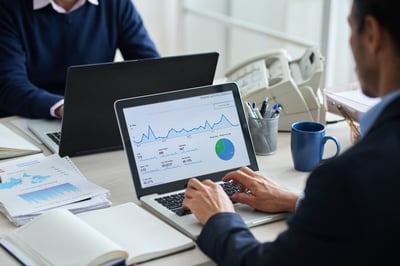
(365, 66)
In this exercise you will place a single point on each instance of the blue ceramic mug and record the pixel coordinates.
(307, 145)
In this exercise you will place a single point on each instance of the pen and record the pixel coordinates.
(250, 110)
(275, 107)
(258, 113)
(275, 110)
(275, 114)
(264, 107)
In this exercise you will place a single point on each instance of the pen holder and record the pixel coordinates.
(264, 133)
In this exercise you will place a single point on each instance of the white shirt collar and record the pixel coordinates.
(38, 4)
(368, 118)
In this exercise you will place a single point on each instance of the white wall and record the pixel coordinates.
(161, 18)
(340, 62)
(178, 32)
(289, 17)
(253, 28)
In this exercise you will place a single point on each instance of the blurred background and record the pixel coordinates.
(241, 29)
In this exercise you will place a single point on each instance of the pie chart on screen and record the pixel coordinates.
(225, 149)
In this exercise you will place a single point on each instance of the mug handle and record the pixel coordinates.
(336, 141)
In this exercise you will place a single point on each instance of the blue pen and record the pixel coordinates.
(275, 110)
(275, 107)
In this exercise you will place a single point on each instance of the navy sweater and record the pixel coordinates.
(37, 47)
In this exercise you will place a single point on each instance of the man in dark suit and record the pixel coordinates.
(350, 212)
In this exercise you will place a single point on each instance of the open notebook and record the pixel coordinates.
(170, 137)
(123, 232)
(13, 145)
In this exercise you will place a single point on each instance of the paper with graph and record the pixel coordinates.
(34, 184)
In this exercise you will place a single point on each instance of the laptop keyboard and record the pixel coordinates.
(174, 202)
(55, 136)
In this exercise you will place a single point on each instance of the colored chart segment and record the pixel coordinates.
(225, 149)
(17, 181)
(47, 194)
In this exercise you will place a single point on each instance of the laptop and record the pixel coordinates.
(89, 124)
(170, 137)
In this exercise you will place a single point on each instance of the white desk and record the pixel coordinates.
(110, 170)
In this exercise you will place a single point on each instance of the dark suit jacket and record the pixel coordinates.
(350, 214)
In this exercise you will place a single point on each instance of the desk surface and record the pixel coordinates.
(110, 170)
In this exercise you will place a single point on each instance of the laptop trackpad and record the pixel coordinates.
(252, 217)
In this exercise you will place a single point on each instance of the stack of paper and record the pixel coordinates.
(13, 145)
(351, 98)
(35, 184)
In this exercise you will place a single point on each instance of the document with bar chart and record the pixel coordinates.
(33, 184)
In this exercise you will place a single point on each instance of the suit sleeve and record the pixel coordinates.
(317, 233)
(18, 95)
(227, 240)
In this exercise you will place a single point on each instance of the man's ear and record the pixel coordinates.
(374, 34)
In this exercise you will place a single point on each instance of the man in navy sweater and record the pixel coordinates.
(350, 212)
(40, 39)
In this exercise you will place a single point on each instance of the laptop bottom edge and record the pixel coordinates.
(190, 226)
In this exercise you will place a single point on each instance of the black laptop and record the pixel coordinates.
(89, 124)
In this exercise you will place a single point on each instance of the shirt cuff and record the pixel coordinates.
(54, 107)
(299, 199)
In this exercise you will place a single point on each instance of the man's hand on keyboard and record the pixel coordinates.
(260, 192)
(205, 199)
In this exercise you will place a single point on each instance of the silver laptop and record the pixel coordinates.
(89, 123)
(48, 131)
(170, 137)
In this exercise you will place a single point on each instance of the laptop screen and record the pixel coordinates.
(189, 133)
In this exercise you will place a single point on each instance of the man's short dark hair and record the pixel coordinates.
(385, 11)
